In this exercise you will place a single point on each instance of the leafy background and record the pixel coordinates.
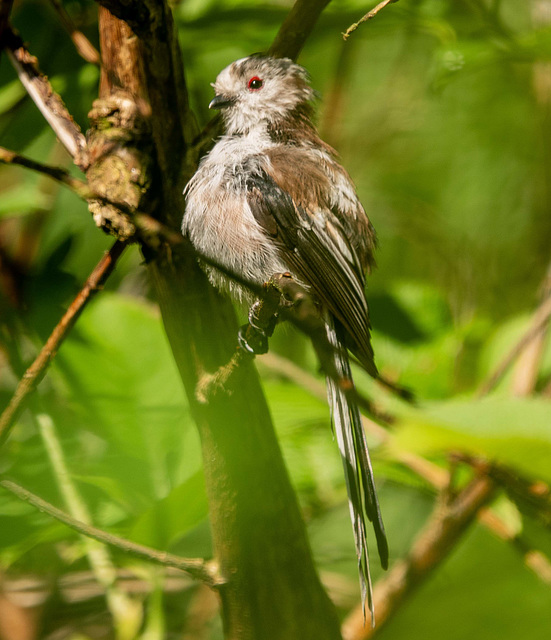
(440, 110)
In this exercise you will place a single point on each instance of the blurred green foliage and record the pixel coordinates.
(440, 110)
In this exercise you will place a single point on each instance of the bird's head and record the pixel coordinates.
(260, 89)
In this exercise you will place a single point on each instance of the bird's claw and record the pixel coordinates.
(252, 340)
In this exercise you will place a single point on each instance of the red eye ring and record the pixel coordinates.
(255, 83)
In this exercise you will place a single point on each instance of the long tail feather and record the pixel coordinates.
(362, 497)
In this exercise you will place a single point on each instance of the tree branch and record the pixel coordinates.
(368, 16)
(296, 28)
(55, 173)
(46, 99)
(540, 322)
(197, 568)
(38, 368)
(447, 524)
(83, 46)
(149, 229)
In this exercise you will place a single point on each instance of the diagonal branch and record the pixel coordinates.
(55, 173)
(46, 99)
(368, 16)
(197, 568)
(38, 368)
(540, 321)
(447, 524)
(150, 230)
(83, 46)
(296, 28)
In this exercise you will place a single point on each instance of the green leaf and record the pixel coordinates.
(169, 519)
(10, 95)
(512, 431)
(124, 383)
(22, 199)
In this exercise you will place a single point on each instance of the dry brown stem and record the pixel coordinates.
(83, 46)
(34, 374)
(46, 99)
(539, 324)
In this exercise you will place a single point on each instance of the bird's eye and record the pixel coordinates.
(255, 83)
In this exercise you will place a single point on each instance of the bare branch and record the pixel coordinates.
(296, 28)
(368, 16)
(447, 524)
(528, 366)
(48, 102)
(37, 370)
(151, 66)
(56, 173)
(197, 568)
(539, 324)
(83, 46)
(149, 229)
(137, 14)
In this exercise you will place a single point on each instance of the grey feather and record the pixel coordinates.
(362, 499)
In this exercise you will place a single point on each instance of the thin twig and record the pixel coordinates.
(197, 568)
(46, 99)
(37, 370)
(528, 366)
(445, 527)
(83, 46)
(56, 173)
(146, 224)
(368, 16)
(540, 321)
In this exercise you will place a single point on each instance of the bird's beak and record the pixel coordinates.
(221, 101)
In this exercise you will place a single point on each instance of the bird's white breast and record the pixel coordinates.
(218, 219)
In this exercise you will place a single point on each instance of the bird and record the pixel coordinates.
(272, 197)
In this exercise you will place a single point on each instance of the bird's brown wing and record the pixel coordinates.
(312, 243)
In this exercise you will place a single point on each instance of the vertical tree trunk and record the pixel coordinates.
(272, 590)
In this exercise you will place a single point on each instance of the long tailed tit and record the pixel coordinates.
(271, 197)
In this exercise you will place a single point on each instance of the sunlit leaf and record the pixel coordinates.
(512, 431)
